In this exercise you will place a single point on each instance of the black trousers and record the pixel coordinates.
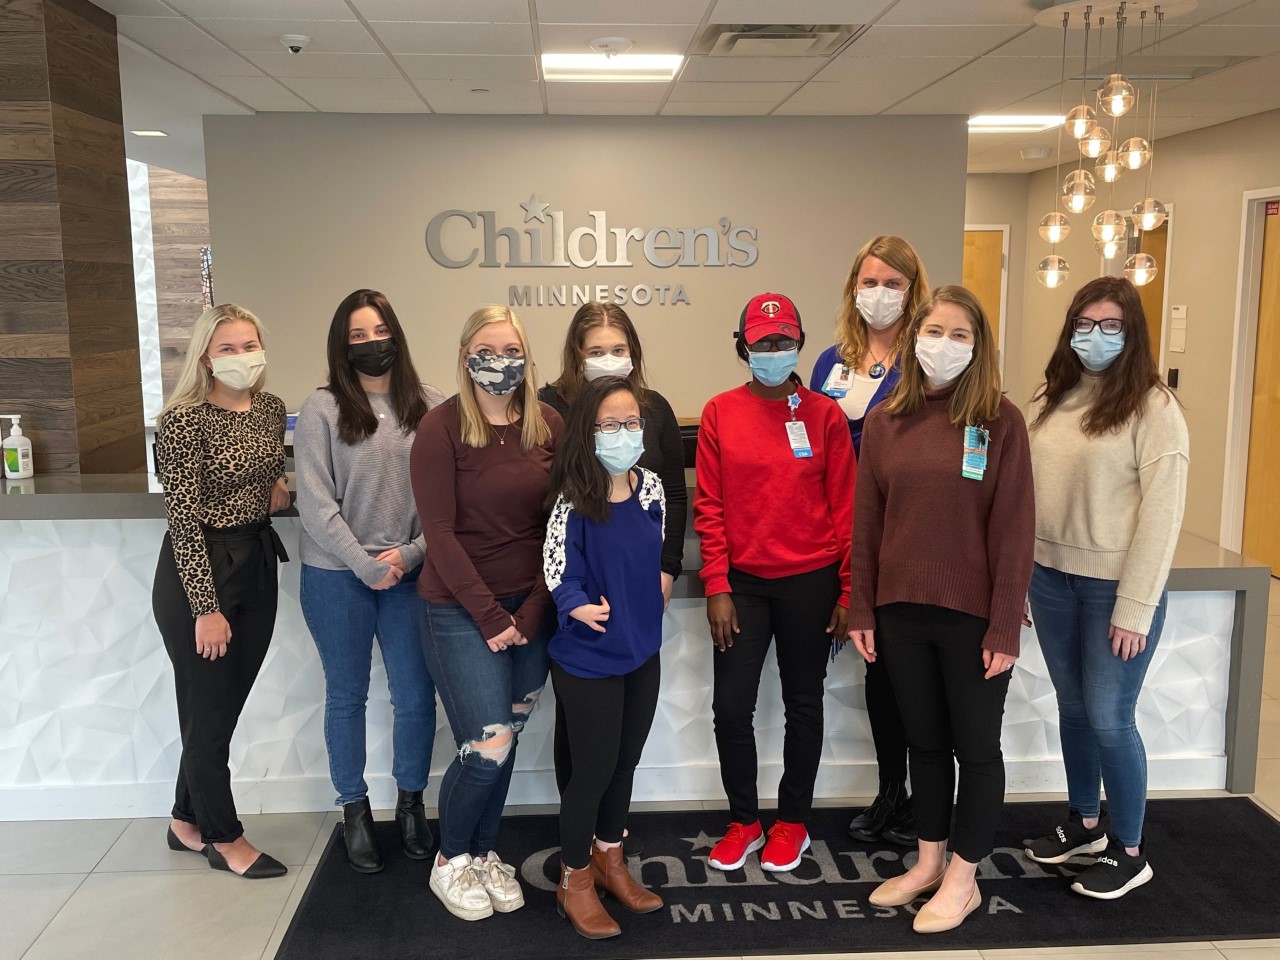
(952, 715)
(211, 693)
(796, 610)
(606, 723)
(887, 730)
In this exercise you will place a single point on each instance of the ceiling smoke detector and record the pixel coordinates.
(610, 46)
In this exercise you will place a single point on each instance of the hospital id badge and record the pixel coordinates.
(973, 465)
(798, 437)
(839, 381)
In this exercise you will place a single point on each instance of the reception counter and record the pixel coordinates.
(90, 729)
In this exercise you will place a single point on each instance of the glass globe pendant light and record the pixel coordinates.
(1116, 96)
(1148, 214)
(1053, 271)
(1054, 227)
(1110, 225)
(1110, 249)
(1078, 192)
(1135, 153)
(1141, 269)
(1096, 143)
(1108, 168)
(1080, 121)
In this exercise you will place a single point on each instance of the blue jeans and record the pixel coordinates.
(486, 695)
(343, 616)
(1097, 695)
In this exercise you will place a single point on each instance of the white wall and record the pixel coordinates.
(305, 208)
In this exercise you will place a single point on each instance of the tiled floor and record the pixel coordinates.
(110, 890)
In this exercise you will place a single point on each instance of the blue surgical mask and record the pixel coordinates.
(773, 368)
(620, 451)
(1097, 350)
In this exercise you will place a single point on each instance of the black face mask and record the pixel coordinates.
(373, 358)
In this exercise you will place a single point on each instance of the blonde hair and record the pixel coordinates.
(977, 395)
(851, 328)
(196, 380)
(476, 430)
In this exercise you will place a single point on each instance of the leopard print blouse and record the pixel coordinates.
(217, 467)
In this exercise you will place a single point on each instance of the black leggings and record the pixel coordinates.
(606, 723)
(887, 730)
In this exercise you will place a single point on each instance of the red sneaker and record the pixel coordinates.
(740, 840)
(787, 843)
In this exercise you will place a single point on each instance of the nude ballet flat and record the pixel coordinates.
(929, 922)
(887, 896)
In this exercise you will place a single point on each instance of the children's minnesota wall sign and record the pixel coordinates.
(540, 238)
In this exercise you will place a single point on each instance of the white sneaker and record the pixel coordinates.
(458, 887)
(499, 880)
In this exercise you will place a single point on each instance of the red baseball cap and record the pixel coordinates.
(768, 313)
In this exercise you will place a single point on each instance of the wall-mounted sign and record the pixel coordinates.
(460, 238)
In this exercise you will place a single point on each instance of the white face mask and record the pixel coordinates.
(942, 359)
(593, 368)
(240, 371)
(880, 306)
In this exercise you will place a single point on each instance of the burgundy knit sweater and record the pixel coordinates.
(923, 533)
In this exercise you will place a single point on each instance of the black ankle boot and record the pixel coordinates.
(357, 834)
(415, 832)
(901, 828)
(868, 826)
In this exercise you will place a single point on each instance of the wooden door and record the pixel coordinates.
(1262, 491)
(1156, 243)
(983, 272)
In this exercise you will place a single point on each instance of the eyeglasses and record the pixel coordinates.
(634, 425)
(1110, 325)
(771, 346)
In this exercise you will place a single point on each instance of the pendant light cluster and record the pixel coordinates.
(1113, 100)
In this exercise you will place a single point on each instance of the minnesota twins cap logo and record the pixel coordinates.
(770, 308)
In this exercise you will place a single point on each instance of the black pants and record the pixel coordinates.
(796, 610)
(934, 657)
(606, 722)
(211, 693)
(887, 729)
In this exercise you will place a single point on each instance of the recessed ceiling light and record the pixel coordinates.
(148, 133)
(610, 68)
(993, 123)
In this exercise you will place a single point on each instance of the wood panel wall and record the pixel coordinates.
(68, 320)
(179, 231)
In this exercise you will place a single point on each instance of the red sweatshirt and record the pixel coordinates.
(760, 509)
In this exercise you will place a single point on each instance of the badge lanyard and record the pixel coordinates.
(797, 434)
(839, 381)
(973, 464)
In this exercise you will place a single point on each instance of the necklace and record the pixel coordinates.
(876, 370)
(502, 437)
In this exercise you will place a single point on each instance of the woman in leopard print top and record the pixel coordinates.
(220, 457)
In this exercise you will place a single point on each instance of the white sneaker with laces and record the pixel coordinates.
(458, 886)
(499, 881)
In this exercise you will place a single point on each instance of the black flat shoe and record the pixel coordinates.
(176, 844)
(265, 867)
(416, 838)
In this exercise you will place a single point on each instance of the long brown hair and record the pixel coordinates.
(851, 328)
(594, 314)
(576, 471)
(356, 419)
(1123, 386)
(977, 395)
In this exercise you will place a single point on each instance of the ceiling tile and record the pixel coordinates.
(605, 108)
(355, 104)
(621, 92)
(961, 41)
(455, 38)
(463, 67)
(167, 35)
(695, 108)
(621, 11)
(918, 70)
(736, 69)
(969, 99)
(1255, 80)
(651, 38)
(1044, 70)
(931, 12)
(135, 8)
(1259, 12)
(1229, 41)
(797, 11)
(246, 88)
(520, 91)
(280, 105)
(259, 10)
(263, 36)
(731, 91)
(318, 88)
(488, 105)
(841, 99)
(446, 11)
(1044, 42)
(308, 64)
(224, 64)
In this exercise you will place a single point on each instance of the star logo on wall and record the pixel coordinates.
(700, 842)
(533, 210)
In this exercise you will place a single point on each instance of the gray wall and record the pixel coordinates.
(306, 208)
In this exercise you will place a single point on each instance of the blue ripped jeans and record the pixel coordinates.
(1097, 695)
(484, 694)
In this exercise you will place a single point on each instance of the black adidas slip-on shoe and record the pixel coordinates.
(1067, 840)
(1114, 873)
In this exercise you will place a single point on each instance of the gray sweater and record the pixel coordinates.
(355, 501)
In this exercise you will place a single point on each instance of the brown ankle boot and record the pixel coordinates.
(610, 871)
(576, 899)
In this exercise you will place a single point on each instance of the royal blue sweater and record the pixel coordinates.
(620, 560)
(828, 359)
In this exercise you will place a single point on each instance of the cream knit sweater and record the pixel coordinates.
(1110, 507)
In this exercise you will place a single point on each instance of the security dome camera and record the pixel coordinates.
(294, 42)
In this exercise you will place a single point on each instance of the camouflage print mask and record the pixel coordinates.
(496, 375)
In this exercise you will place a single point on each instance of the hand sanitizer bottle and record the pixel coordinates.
(17, 451)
